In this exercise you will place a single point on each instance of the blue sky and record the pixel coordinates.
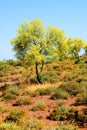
(70, 15)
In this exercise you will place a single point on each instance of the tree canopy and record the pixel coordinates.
(38, 44)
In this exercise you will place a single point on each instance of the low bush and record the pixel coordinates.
(23, 101)
(51, 77)
(34, 124)
(62, 113)
(9, 96)
(82, 118)
(11, 92)
(43, 91)
(60, 94)
(61, 101)
(33, 80)
(13, 89)
(68, 126)
(82, 97)
(17, 116)
(27, 91)
(72, 87)
(39, 106)
(10, 126)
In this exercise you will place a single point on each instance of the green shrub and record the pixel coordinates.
(47, 91)
(9, 96)
(39, 106)
(62, 113)
(71, 76)
(43, 91)
(61, 101)
(17, 116)
(36, 92)
(34, 124)
(10, 126)
(82, 97)
(51, 77)
(71, 87)
(23, 101)
(62, 126)
(33, 80)
(11, 92)
(27, 91)
(60, 94)
(13, 89)
(82, 120)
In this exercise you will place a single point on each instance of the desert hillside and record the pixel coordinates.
(59, 103)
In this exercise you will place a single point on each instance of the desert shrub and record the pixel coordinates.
(39, 106)
(62, 126)
(43, 91)
(81, 99)
(27, 91)
(39, 91)
(17, 116)
(71, 87)
(48, 91)
(51, 77)
(62, 113)
(60, 101)
(36, 92)
(11, 92)
(82, 78)
(20, 86)
(82, 118)
(13, 89)
(33, 80)
(34, 124)
(23, 101)
(10, 126)
(71, 76)
(9, 96)
(60, 94)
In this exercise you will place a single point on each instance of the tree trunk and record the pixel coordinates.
(76, 56)
(37, 74)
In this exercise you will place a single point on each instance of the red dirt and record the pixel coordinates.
(42, 115)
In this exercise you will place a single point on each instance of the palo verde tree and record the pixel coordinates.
(37, 45)
(56, 41)
(75, 46)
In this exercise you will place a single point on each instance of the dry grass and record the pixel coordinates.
(33, 87)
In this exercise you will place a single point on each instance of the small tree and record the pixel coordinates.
(75, 46)
(37, 45)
